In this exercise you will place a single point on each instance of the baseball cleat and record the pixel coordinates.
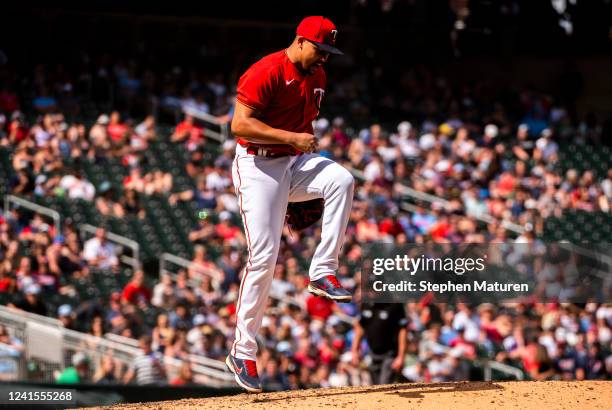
(245, 373)
(329, 287)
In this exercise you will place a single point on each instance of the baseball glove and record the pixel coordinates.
(300, 215)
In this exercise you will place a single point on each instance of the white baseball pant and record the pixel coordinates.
(264, 186)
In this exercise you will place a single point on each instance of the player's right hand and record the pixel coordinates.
(305, 142)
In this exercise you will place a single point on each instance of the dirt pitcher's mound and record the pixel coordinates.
(467, 395)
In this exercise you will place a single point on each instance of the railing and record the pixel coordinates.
(208, 119)
(43, 210)
(65, 342)
(167, 258)
(134, 260)
(490, 365)
(483, 217)
(121, 339)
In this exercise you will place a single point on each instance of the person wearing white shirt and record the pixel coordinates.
(76, 187)
(99, 253)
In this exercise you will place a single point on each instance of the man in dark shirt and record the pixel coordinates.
(31, 302)
(384, 327)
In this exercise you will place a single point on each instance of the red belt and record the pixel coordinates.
(271, 152)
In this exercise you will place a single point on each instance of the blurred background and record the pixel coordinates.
(462, 121)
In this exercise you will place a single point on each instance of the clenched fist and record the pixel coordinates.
(305, 142)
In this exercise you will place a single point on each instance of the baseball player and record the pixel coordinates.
(278, 97)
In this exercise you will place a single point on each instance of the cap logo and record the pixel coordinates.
(332, 35)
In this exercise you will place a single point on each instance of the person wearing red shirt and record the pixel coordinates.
(116, 130)
(17, 131)
(135, 292)
(7, 283)
(189, 133)
(319, 308)
(276, 162)
(442, 229)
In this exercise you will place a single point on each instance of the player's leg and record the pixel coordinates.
(262, 187)
(313, 177)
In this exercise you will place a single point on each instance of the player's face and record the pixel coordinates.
(313, 56)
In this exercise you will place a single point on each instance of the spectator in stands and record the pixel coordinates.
(185, 375)
(108, 371)
(7, 281)
(180, 319)
(114, 317)
(99, 253)
(148, 368)
(163, 292)
(106, 205)
(116, 129)
(218, 177)
(12, 342)
(64, 256)
(163, 333)
(77, 187)
(183, 291)
(67, 316)
(227, 231)
(203, 197)
(136, 292)
(22, 183)
(132, 204)
(195, 165)
(17, 129)
(135, 181)
(202, 265)
(143, 133)
(98, 135)
(97, 326)
(188, 133)
(204, 231)
(158, 183)
(178, 348)
(31, 302)
(77, 373)
(207, 295)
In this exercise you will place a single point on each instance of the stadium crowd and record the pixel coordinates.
(461, 144)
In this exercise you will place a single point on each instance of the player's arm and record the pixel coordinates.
(246, 125)
(398, 362)
(357, 336)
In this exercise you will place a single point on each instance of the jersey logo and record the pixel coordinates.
(319, 97)
(288, 82)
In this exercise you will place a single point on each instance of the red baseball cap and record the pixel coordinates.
(321, 31)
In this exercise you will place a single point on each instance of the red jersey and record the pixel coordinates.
(283, 96)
